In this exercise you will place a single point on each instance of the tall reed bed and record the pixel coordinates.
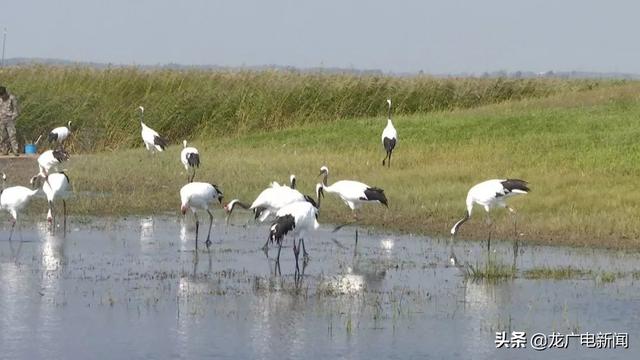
(101, 103)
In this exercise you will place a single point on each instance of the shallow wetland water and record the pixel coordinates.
(134, 288)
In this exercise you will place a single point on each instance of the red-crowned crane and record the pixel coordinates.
(56, 186)
(60, 134)
(200, 196)
(14, 199)
(152, 140)
(389, 137)
(491, 194)
(51, 159)
(190, 158)
(269, 200)
(354, 194)
(300, 218)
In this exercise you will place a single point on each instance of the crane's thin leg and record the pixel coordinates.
(276, 269)
(304, 266)
(389, 163)
(385, 159)
(296, 252)
(296, 278)
(12, 227)
(208, 242)
(305, 254)
(193, 175)
(279, 249)
(53, 218)
(265, 248)
(64, 216)
(490, 230)
(197, 227)
(516, 244)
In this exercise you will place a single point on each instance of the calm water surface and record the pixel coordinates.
(134, 288)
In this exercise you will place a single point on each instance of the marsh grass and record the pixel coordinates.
(101, 103)
(560, 273)
(578, 150)
(493, 270)
(606, 277)
(569, 272)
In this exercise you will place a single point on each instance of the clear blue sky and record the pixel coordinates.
(400, 36)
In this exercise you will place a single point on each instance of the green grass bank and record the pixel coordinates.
(575, 142)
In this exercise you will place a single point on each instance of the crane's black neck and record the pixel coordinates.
(319, 194)
(242, 205)
(325, 175)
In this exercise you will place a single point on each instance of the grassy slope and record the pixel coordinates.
(579, 151)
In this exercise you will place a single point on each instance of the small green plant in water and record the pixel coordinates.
(492, 270)
(607, 277)
(561, 273)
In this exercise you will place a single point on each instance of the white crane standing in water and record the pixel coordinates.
(354, 194)
(270, 200)
(301, 218)
(200, 196)
(491, 194)
(56, 186)
(152, 140)
(14, 199)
